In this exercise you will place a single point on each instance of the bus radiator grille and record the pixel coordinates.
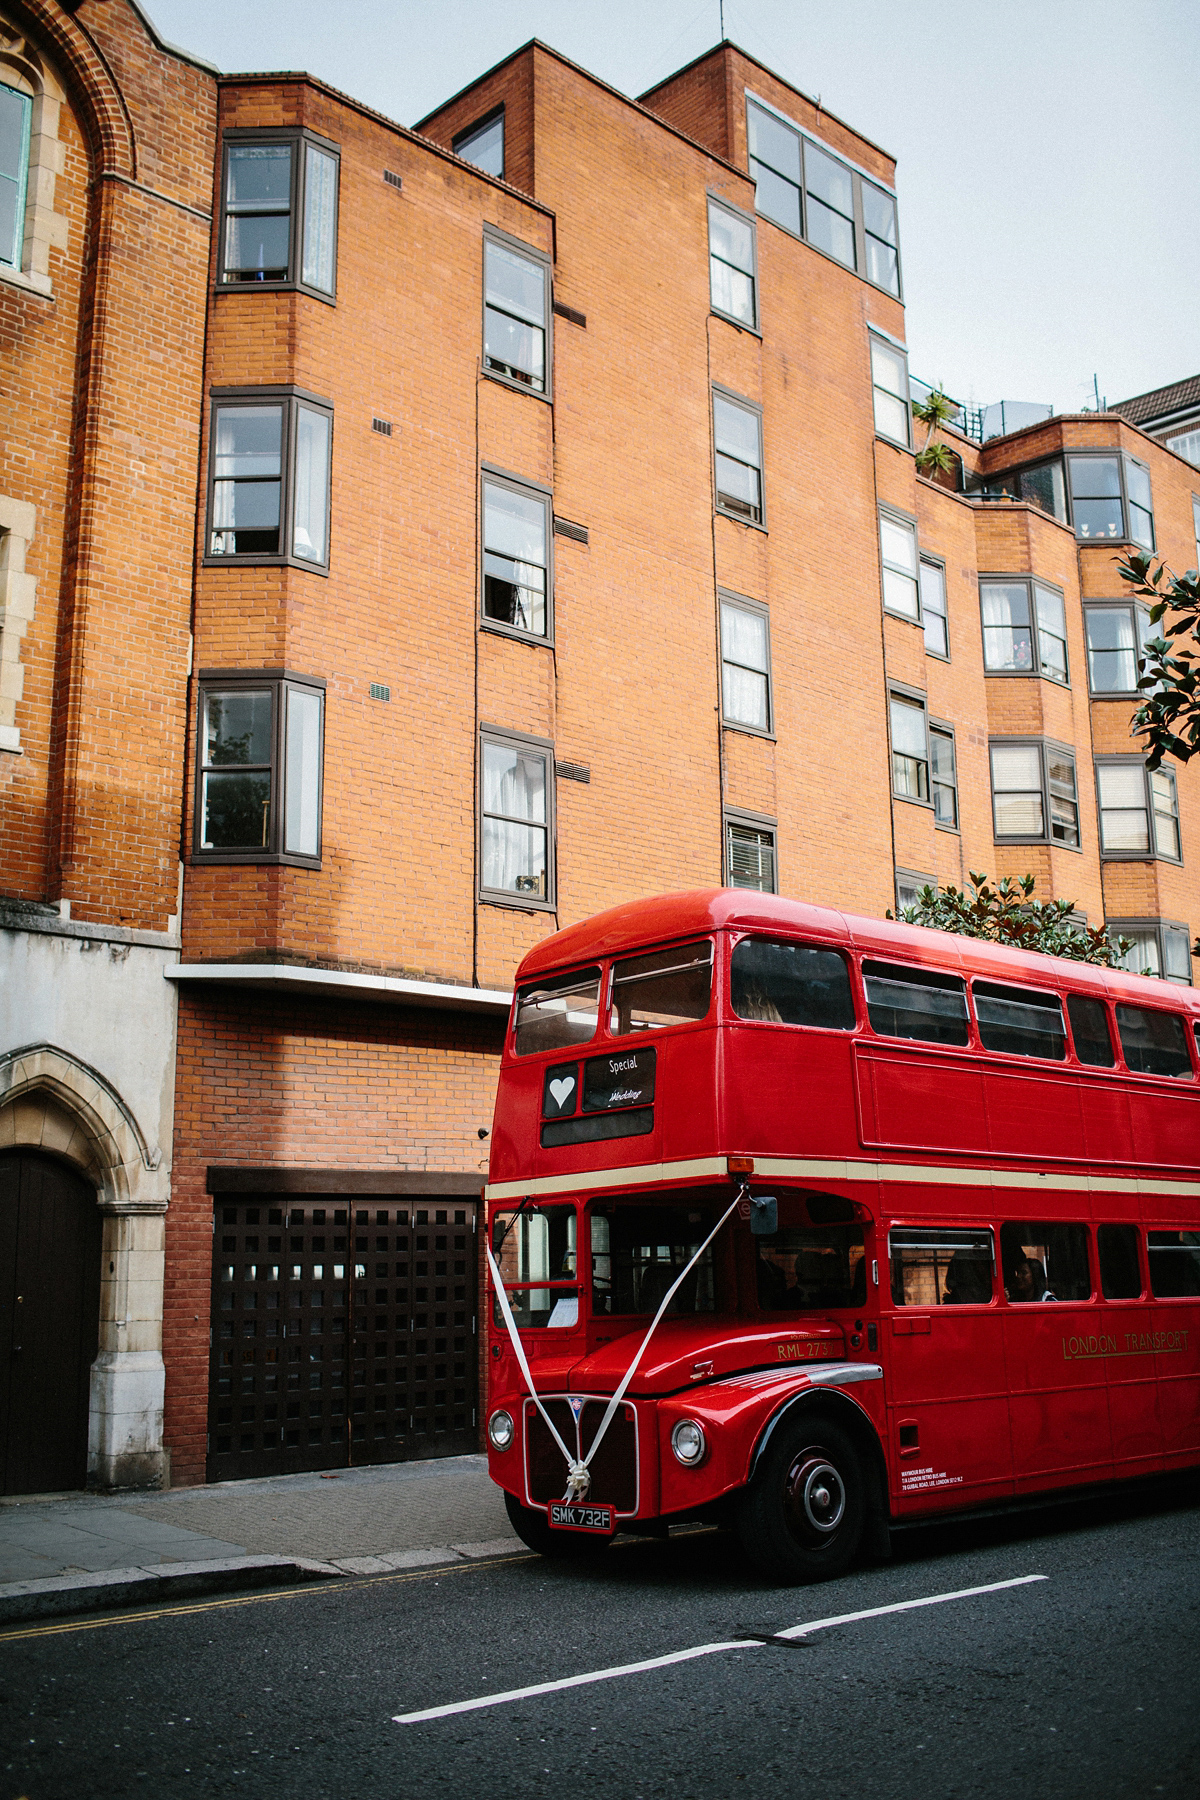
(613, 1469)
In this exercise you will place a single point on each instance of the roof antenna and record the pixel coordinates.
(721, 4)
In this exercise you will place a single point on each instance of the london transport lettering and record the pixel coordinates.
(1129, 1343)
(751, 1266)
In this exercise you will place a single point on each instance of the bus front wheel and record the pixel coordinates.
(802, 1516)
(531, 1527)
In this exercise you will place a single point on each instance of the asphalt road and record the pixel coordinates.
(1084, 1685)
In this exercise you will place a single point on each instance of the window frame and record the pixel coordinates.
(1133, 608)
(943, 728)
(858, 175)
(750, 220)
(717, 391)
(280, 682)
(906, 521)
(543, 747)
(518, 247)
(15, 263)
(528, 490)
(291, 399)
(1159, 926)
(470, 132)
(1152, 853)
(749, 821)
(933, 562)
(908, 696)
(1038, 671)
(1044, 747)
(876, 336)
(919, 882)
(742, 603)
(295, 137)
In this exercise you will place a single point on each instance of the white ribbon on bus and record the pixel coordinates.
(579, 1478)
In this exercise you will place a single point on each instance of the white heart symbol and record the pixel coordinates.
(562, 1090)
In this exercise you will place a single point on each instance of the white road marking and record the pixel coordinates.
(716, 1649)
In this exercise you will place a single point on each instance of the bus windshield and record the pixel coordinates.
(637, 1251)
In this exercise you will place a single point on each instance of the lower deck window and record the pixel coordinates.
(1174, 1263)
(1045, 1262)
(811, 1266)
(637, 1252)
(941, 1267)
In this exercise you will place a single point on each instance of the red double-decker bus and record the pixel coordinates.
(815, 1224)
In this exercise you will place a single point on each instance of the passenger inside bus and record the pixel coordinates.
(811, 1266)
(1029, 1282)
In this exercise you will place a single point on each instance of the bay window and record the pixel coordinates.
(269, 474)
(279, 212)
(259, 767)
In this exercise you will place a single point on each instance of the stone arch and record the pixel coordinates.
(93, 88)
(51, 1101)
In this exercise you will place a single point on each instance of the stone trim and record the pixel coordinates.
(18, 592)
(22, 67)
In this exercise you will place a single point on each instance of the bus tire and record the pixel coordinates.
(530, 1526)
(801, 1519)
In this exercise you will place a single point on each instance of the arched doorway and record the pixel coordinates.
(50, 1237)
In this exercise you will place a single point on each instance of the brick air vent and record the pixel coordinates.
(379, 692)
(392, 179)
(382, 426)
(568, 312)
(573, 771)
(564, 528)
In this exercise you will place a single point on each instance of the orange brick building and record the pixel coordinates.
(557, 539)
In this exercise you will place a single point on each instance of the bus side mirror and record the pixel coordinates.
(764, 1215)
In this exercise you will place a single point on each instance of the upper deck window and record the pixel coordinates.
(916, 1003)
(666, 987)
(1089, 1028)
(1154, 1042)
(791, 984)
(553, 1014)
(1020, 1021)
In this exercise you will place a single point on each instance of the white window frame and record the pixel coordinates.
(912, 576)
(543, 748)
(739, 603)
(538, 259)
(1152, 852)
(718, 204)
(902, 396)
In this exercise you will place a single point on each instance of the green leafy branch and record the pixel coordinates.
(1008, 914)
(1168, 719)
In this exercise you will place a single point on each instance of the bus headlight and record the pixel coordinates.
(500, 1430)
(688, 1443)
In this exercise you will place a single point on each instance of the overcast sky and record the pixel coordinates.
(1048, 150)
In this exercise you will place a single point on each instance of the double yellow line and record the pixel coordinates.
(60, 1628)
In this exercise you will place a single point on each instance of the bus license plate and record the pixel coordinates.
(581, 1518)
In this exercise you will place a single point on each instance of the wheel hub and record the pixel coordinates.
(815, 1497)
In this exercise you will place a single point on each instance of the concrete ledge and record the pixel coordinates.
(59, 1595)
(333, 984)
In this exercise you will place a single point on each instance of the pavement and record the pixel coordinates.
(67, 1553)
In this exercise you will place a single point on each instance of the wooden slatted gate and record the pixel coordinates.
(341, 1334)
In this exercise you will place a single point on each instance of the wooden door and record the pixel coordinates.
(342, 1334)
(50, 1240)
